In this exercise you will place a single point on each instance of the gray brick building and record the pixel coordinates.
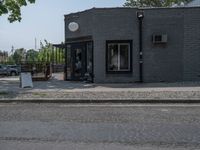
(125, 45)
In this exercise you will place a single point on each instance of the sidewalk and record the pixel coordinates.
(76, 92)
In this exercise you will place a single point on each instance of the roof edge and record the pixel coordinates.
(138, 8)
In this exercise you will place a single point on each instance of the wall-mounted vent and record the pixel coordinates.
(160, 38)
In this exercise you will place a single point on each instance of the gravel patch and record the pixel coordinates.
(57, 89)
(105, 95)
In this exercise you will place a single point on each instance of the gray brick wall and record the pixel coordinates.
(114, 24)
(163, 62)
(191, 59)
(85, 21)
(177, 60)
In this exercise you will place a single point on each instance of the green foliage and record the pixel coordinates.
(10, 61)
(154, 3)
(19, 55)
(13, 8)
(46, 54)
(3, 56)
(32, 56)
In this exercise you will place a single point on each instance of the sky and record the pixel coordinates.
(44, 20)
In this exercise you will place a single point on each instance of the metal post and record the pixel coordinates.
(52, 56)
(65, 54)
(140, 16)
(59, 55)
(56, 56)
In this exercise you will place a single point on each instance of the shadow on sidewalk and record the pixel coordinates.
(56, 83)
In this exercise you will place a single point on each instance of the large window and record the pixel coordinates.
(118, 56)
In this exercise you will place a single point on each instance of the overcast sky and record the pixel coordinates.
(44, 20)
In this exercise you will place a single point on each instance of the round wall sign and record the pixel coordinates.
(73, 26)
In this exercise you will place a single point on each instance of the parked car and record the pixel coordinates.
(3, 70)
(11, 70)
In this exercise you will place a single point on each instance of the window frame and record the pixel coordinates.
(119, 43)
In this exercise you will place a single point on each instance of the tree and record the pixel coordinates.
(13, 8)
(45, 52)
(3, 56)
(19, 55)
(49, 54)
(154, 3)
(32, 56)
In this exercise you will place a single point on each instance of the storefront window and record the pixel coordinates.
(118, 57)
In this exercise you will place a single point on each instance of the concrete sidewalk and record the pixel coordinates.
(76, 92)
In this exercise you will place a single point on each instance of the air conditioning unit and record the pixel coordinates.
(159, 38)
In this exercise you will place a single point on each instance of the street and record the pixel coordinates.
(99, 127)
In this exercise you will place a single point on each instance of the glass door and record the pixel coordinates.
(78, 61)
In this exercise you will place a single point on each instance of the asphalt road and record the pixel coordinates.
(99, 127)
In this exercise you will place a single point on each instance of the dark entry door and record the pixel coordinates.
(78, 61)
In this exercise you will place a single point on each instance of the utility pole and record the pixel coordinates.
(12, 50)
(35, 44)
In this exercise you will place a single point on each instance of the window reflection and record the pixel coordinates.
(118, 57)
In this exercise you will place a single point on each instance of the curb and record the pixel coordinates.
(103, 101)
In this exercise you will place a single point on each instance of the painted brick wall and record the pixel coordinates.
(177, 60)
(163, 62)
(191, 59)
(114, 24)
(85, 21)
